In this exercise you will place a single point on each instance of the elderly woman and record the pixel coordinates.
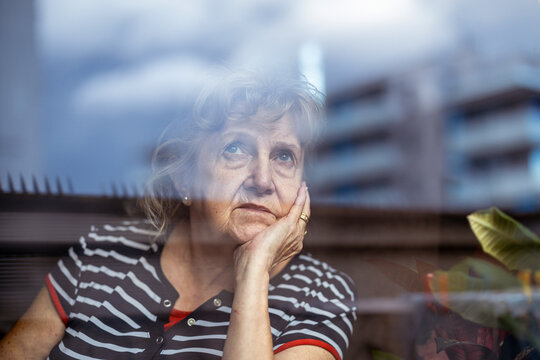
(223, 276)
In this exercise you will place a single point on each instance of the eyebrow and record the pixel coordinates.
(287, 145)
(237, 132)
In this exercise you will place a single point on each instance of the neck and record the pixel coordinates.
(204, 261)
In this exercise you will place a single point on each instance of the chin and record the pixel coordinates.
(244, 225)
(248, 232)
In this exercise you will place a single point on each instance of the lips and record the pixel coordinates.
(256, 207)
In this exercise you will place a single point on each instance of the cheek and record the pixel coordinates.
(288, 195)
(288, 188)
(211, 181)
(220, 187)
(217, 192)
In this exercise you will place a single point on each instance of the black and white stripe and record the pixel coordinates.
(115, 296)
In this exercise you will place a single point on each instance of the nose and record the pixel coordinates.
(260, 178)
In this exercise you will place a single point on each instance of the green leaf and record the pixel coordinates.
(483, 298)
(381, 355)
(506, 239)
(486, 277)
(493, 276)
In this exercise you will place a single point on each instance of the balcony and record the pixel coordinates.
(360, 164)
(503, 187)
(361, 118)
(498, 133)
(489, 82)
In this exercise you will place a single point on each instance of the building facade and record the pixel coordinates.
(442, 135)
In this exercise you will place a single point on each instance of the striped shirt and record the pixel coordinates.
(116, 303)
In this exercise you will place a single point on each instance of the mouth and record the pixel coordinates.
(250, 206)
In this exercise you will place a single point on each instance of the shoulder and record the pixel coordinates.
(313, 275)
(129, 233)
(124, 237)
(315, 303)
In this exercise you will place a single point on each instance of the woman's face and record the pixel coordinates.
(249, 175)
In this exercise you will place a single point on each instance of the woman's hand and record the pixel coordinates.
(249, 334)
(278, 242)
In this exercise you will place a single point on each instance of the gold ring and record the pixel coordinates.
(304, 217)
(305, 232)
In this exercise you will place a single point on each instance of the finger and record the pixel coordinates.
(303, 222)
(280, 260)
(296, 209)
(289, 254)
(306, 209)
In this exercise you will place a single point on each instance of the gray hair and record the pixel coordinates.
(238, 97)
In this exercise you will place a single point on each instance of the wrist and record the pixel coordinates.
(252, 272)
(252, 262)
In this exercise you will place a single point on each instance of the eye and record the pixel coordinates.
(235, 151)
(285, 156)
(233, 148)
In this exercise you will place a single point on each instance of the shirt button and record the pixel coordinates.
(167, 303)
(217, 302)
(159, 340)
(191, 321)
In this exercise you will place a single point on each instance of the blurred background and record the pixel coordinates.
(431, 104)
(433, 112)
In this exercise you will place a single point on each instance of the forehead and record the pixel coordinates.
(280, 130)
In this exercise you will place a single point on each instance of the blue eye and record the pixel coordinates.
(233, 148)
(285, 156)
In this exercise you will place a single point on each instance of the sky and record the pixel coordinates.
(114, 73)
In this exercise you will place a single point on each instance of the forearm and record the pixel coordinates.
(34, 335)
(17, 344)
(249, 335)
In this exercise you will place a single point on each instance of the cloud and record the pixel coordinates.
(499, 28)
(127, 29)
(370, 38)
(259, 31)
(124, 28)
(164, 83)
(359, 39)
